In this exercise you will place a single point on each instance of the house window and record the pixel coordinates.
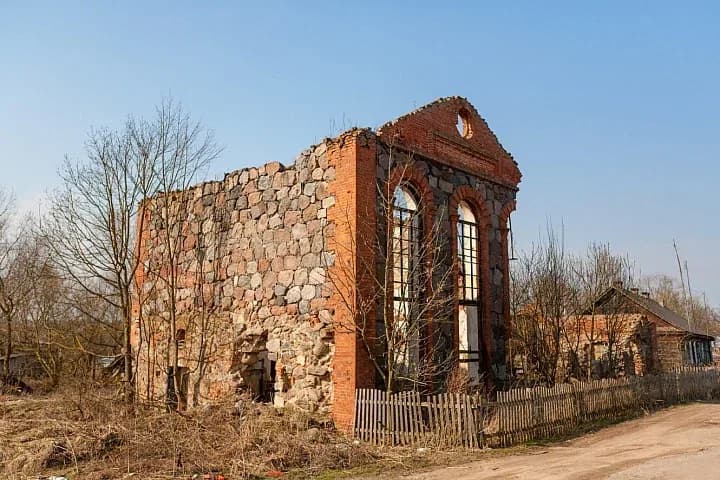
(696, 352)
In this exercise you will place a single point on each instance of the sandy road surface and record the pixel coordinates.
(679, 443)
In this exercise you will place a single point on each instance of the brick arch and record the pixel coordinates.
(507, 209)
(417, 181)
(472, 197)
(476, 202)
(410, 175)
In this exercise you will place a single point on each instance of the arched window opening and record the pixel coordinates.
(406, 274)
(407, 230)
(469, 320)
(468, 254)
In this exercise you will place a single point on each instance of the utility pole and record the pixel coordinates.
(691, 315)
(682, 278)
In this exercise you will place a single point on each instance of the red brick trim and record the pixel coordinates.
(409, 175)
(353, 155)
(507, 209)
(432, 132)
(473, 198)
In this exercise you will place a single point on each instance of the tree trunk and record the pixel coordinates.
(8, 346)
(127, 356)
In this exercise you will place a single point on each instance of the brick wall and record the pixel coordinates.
(353, 155)
(274, 263)
(446, 187)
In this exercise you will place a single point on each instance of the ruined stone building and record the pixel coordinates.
(284, 281)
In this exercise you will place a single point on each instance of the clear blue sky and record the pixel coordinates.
(612, 109)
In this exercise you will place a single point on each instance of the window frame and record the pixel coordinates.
(406, 250)
(468, 253)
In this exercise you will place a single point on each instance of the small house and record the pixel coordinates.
(642, 334)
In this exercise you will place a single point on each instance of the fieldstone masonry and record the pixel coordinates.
(252, 259)
(255, 307)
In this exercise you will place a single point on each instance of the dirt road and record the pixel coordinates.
(678, 443)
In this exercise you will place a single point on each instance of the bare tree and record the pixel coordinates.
(399, 297)
(557, 322)
(7, 302)
(666, 291)
(43, 321)
(541, 295)
(589, 323)
(90, 228)
(54, 320)
(93, 218)
(18, 270)
(179, 150)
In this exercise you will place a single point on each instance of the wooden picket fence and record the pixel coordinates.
(519, 415)
(409, 418)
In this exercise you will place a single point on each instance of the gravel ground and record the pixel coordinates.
(678, 443)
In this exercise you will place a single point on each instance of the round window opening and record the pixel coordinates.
(463, 124)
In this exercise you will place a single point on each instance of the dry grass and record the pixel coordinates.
(98, 438)
(86, 433)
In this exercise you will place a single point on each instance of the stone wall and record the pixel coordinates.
(263, 259)
(252, 291)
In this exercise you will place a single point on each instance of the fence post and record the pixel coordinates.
(577, 399)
